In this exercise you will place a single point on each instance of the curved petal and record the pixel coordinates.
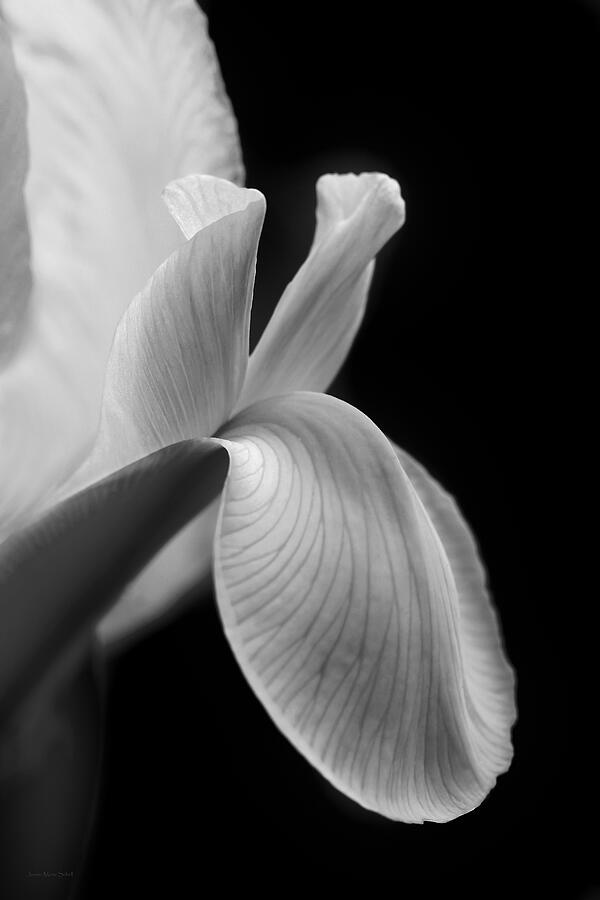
(123, 97)
(175, 371)
(15, 275)
(180, 352)
(342, 609)
(197, 201)
(314, 323)
(483, 652)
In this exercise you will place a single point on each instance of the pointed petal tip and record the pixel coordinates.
(197, 201)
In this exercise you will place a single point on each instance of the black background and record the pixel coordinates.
(485, 113)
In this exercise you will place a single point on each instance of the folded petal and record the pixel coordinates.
(483, 652)
(15, 276)
(180, 351)
(197, 201)
(123, 97)
(342, 609)
(314, 323)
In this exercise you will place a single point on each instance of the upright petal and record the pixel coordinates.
(175, 371)
(319, 313)
(123, 97)
(343, 611)
(197, 201)
(15, 276)
(180, 351)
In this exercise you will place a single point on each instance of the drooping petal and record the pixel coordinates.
(316, 319)
(343, 611)
(60, 574)
(180, 351)
(483, 653)
(15, 275)
(123, 97)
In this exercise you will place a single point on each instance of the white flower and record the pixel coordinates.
(349, 586)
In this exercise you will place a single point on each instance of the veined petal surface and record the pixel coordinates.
(123, 97)
(15, 275)
(319, 313)
(176, 368)
(180, 351)
(342, 609)
(484, 657)
(197, 201)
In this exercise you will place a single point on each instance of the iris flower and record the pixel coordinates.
(349, 586)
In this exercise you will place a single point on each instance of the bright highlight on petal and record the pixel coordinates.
(124, 96)
(314, 323)
(197, 201)
(342, 609)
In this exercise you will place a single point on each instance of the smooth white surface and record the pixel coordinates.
(123, 97)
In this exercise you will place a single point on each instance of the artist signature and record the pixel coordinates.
(49, 874)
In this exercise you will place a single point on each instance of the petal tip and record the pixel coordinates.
(197, 201)
(370, 201)
(340, 196)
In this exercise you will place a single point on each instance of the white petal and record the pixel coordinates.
(123, 97)
(342, 609)
(180, 352)
(175, 371)
(314, 323)
(199, 200)
(15, 276)
(483, 652)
